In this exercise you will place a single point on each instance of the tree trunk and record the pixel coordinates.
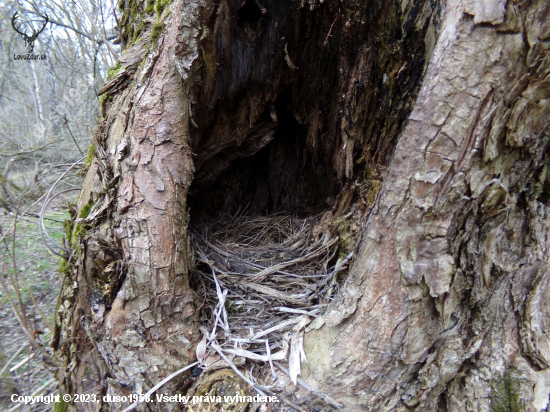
(425, 122)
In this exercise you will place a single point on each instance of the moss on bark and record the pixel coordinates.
(505, 394)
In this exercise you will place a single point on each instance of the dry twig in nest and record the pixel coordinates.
(271, 274)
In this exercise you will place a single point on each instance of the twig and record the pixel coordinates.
(45, 206)
(220, 308)
(46, 322)
(221, 303)
(272, 292)
(14, 279)
(12, 304)
(43, 209)
(158, 385)
(297, 311)
(23, 214)
(36, 392)
(8, 363)
(22, 363)
(339, 266)
(321, 395)
(66, 123)
(279, 326)
(270, 359)
(238, 372)
(254, 356)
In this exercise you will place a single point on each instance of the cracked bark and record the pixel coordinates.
(448, 296)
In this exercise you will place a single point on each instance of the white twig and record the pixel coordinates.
(221, 297)
(158, 385)
(281, 355)
(8, 363)
(297, 311)
(273, 373)
(321, 395)
(277, 327)
(220, 308)
(23, 362)
(244, 378)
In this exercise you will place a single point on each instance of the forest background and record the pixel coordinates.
(49, 109)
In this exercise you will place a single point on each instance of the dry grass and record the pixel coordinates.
(263, 279)
(271, 266)
(28, 298)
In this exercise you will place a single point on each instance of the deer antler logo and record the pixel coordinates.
(29, 40)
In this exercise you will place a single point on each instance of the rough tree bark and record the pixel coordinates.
(427, 122)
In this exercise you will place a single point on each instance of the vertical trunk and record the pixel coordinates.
(225, 106)
(129, 315)
(446, 305)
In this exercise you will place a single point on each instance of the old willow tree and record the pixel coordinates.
(420, 127)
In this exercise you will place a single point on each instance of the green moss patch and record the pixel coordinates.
(85, 210)
(113, 71)
(63, 267)
(78, 232)
(160, 6)
(505, 394)
(150, 6)
(158, 26)
(91, 153)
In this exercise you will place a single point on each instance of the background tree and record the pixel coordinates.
(48, 111)
(424, 123)
(49, 107)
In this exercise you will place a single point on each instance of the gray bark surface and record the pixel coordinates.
(449, 293)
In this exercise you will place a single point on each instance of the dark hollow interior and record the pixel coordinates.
(250, 13)
(294, 101)
(284, 176)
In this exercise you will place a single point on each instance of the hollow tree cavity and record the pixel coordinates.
(420, 128)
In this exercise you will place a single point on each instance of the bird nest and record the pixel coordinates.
(264, 279)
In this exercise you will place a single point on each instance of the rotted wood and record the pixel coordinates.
(292, 100)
